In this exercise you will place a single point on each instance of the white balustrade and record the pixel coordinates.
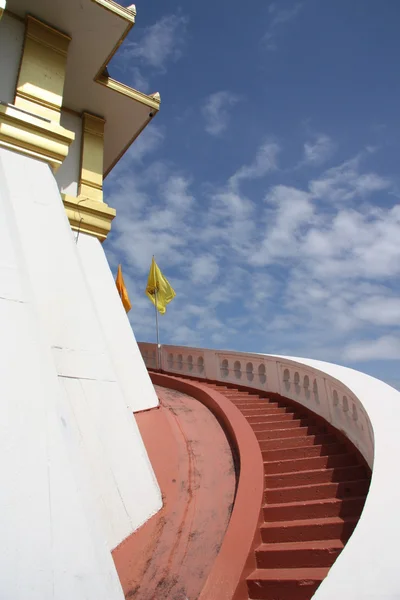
(365, 410)
(318, 391)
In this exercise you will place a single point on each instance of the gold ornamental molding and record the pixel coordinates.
(128, 13)
(41, 76)
(92, 153)
(31, 125)
(33, 136)
(88, 213)
(89, 216)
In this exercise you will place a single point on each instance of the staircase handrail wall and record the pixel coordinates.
(365, 409)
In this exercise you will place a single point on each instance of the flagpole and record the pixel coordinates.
(157, 332)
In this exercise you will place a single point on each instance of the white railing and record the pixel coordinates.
(364, 409)
(328, 397)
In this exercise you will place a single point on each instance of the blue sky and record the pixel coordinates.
(268, 184)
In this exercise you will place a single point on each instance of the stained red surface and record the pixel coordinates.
(315, 488)
(172, 554)
(236, 559)
(301, 489)
(315, 485)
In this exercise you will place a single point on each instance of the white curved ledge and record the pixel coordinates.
(365, 409)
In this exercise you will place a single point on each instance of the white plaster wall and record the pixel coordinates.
(67, 176)
(122, 489)
(11, 43)
(131, 371)
(52, 548)
(368, 566)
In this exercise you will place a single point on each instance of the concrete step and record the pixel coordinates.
(270, 408)
(266, 417)
(215, 386)
(303, 452)
(315, 553)
(314, 509)
(247, 400)
(261, 425)
(317, 491)
(285, 584)
(237, 394)
(288, 433)
(309, 463)
(279, 480)
(308, 529)
(266, 410)
(300, 441)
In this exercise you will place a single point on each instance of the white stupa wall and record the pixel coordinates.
(128, 362)
(120, 340)
(67, 176)
(53, 546)
(11, 44)
(109, 458)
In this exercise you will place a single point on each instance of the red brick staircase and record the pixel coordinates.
(315, 489)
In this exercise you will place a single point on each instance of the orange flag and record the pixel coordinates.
(123, 292)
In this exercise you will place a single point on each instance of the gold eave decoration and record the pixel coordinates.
(33, 136)
(129, 14)
(115, 102)
(151, 100)
(126, 12)
(89, 216)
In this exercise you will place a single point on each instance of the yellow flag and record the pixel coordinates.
(123, 292)
(158, 285)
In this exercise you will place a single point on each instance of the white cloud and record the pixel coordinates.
(379, 310)
(339, 271)
(302, 275)
(150, 227)
(288, 209)
(139, 81)
(331, 257)
(319, 150)
(230, 223)
(160, 43)
(370, 182)
(204, 269)
(345, 182)
(184, 335)
(150, 140)
(357, 244)
(264, 162)
(232, 219)
(230, 204)
(216, 111)
(175, 191)
(279, 17)
(384, 348)
(233, 279)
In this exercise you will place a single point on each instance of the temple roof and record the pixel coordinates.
(97, 29)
